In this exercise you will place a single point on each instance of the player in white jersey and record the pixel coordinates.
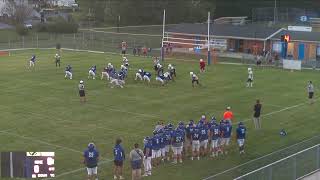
(139, 75)
(250, 78)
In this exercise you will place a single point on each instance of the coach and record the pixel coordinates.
(256, 115)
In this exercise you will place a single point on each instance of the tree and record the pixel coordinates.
(19, 12)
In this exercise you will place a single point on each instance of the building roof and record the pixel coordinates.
(299, 36)
(250, 32)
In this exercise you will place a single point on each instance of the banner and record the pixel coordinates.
(291, 64)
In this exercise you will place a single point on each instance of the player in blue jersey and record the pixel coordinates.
(147, 151)
(226, 130)
(68, 72)
(162, 144)
(177, 145)
(241, 136)
(92, 72)
(32, 61)
(119, 157)
(156, 149)
(215, 136)
(91, 158)
(147, 76)
(204, 139)
(167, 141)
(124, 69)
(139, 75)
(189, 130)
(160, 75)
(195, 138)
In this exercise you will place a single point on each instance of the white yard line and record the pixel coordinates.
(40, 141)
(77, 170)
(278, 111)
(267, 155)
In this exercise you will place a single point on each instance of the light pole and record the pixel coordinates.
(275, 12)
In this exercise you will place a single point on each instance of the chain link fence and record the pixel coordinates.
(86, 40)
(290, 168)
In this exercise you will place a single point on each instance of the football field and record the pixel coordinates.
(40, 111)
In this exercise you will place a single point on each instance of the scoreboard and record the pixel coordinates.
(27, 164)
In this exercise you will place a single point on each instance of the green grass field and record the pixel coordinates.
(41, 111)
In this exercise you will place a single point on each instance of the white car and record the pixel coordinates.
(28, 26)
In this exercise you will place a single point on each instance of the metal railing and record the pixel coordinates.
(291, 167)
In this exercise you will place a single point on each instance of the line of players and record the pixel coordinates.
(196, 138)
(117, 78)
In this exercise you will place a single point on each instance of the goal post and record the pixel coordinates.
(193, 45)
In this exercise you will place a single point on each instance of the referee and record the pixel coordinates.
(82, 93)
(311, 92)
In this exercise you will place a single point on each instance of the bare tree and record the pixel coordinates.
(19, 12)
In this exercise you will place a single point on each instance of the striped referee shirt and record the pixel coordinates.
(310, 88)
(81, 87)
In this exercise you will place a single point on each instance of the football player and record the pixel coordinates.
(124, 69)
(194, 78)
(58, 59)
(241, 136)
(189, 130)
(156, 152)
(68, 72)
(214, 135)
(91, 158)
(177, 145)
(32, 61)
(105, 73)
(195, 138)
(172, 71)
(250, 78)
(147, 150)
(139, 75)
(147, 76)
(167, 142)
(125, 61)
(92, 72)
(204, 136)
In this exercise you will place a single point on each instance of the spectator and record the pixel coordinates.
(139, 51)
(228, 115)
(119, 157)
(134, 51)
(91, 158)
(256, 115)
(145, 51)
(136, 157)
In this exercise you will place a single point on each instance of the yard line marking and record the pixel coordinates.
(278, 111)
(40, 141)
(253, 160)
(274, 105)
(76, 170)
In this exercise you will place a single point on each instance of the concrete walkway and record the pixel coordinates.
(315, 176)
